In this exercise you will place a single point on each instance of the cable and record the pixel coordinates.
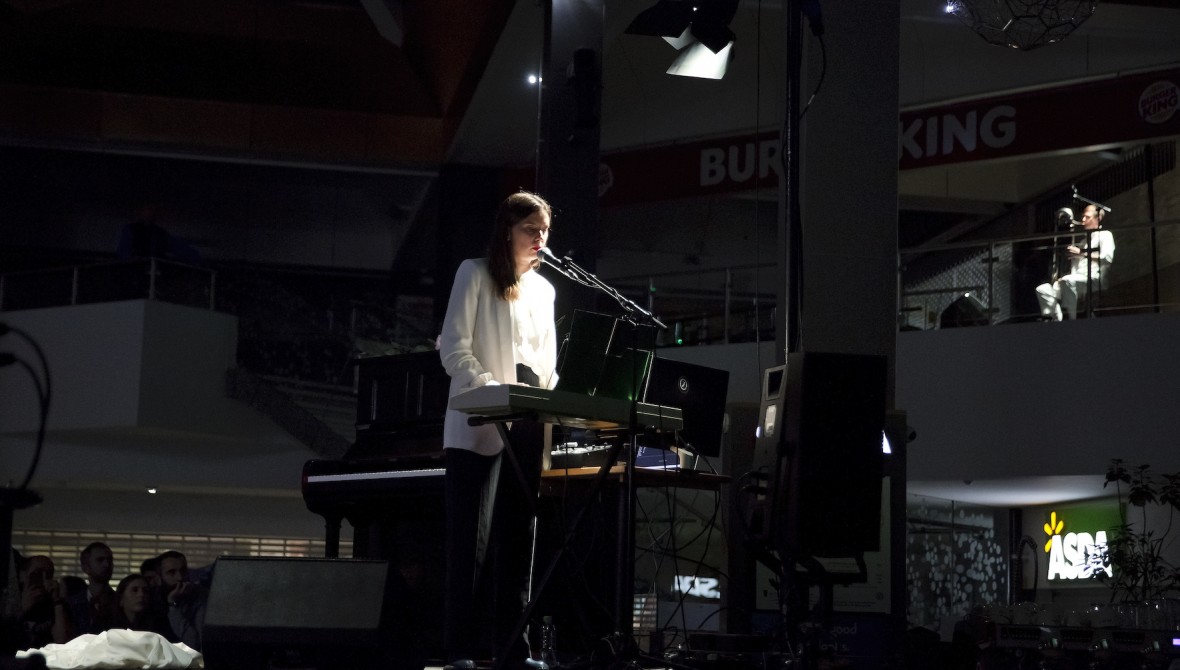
(44, 395)
(823, 71)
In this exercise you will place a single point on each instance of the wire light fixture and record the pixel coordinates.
(1022, 24)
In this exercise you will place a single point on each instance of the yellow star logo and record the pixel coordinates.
(1054, 527)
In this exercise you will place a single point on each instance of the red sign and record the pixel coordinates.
(692, 169)
(1111, 110)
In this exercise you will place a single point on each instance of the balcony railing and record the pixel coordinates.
(150, 278)
(701, 306)
(994, 281)
(707, 306)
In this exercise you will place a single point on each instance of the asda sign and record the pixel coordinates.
(1076, 540)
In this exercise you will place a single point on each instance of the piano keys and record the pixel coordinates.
(564, 408)
(335, 487)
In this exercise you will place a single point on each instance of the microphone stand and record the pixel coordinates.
(574, 272)
(624, 595)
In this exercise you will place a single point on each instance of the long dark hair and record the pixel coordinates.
(501, 261)
(118, 618)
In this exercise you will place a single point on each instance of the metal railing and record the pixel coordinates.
(708, 305)
(150, 278)
(995, 281)
(968, 283)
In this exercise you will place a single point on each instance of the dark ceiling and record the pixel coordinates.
(318, 68)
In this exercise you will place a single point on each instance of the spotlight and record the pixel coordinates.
(699, 30)
(667, 18)
(699, 61)
(533, 79)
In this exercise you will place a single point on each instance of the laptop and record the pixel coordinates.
(700, 393)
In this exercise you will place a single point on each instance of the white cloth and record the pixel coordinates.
(479, 339)
(118, 649)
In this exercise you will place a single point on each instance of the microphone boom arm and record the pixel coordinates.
(575, 272)
(1089, 201)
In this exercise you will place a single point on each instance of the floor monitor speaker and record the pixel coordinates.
(307, 612)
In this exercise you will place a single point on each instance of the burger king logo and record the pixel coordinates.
(1159, 102)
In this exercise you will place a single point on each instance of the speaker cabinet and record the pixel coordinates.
(828, 489)
(308, 612)
(965, 311)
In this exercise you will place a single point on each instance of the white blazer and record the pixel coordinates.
(476, 345)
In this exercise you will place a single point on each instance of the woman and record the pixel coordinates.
(498, 329)
(132, 607)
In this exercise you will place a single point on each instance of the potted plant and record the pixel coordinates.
(1142, 572)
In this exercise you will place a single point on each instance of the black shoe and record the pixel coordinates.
(461, 664)
(534, 664)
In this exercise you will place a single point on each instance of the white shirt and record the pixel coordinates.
(483, 337)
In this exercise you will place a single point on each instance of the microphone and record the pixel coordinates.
(547, 256)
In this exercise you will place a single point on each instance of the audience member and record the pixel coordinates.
(150, 569)
(11, 630)
(73, 585)
(94, 607)
(44, 615)
(185, 599)
(132, 611)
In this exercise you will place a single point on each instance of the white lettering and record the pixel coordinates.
(909, 143)
(932, 136)
(702, 587)
(1073, 556)
(964, 132)
(739, 163)
(768, 159)
(737, 172)
(996, 133)
(712, 167)
(1057, 567)
(945, 135)
(1079, 556)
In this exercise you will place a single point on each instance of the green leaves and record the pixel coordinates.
(1136, 552)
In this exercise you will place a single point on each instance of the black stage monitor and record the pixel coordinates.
(700, 393)
(330, 614)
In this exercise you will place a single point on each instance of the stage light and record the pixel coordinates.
(1022, 24)
(667, 18)
(533, 79)
(698, 30)
(700, 61)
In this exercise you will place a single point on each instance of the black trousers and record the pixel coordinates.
(489, 544)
